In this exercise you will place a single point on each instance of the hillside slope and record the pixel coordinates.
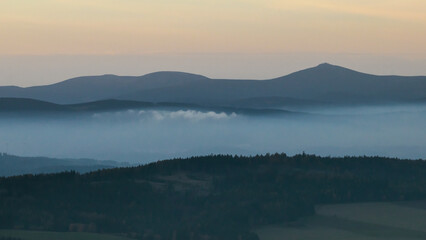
(212, 197)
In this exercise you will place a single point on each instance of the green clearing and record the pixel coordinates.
(363, 221)
(39, 235)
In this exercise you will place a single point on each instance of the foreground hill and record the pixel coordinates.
(322, 85)
(11, 165)
(212, 197)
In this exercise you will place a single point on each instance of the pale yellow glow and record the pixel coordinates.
(212, 26)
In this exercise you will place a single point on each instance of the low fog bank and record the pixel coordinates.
(149, 135)
(366, 110)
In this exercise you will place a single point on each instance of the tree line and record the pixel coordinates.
(209, 197)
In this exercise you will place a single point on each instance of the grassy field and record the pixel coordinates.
(363, 221)
(36, 235)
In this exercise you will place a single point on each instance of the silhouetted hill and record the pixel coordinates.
(322, 85)
(341, 85)
(32, 105)
(94, 88)
(23, 106)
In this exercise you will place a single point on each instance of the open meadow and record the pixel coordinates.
(360, 221)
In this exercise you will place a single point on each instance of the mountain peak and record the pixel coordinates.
(323, 71)
(328, 66)
(325, 65)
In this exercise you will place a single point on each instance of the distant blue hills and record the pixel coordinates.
(11, 165)
(322, 85)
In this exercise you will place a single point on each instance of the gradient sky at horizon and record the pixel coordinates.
(378, 29)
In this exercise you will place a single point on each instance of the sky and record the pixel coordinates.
(46, 41)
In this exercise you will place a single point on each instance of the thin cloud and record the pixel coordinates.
(187, 115)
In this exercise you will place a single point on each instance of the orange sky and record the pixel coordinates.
(120, 27)
(46, 41)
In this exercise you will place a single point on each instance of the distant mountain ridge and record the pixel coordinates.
(94, 88)
(25, 106)
(323, 84)
(11, 165)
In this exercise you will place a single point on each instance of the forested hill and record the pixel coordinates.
(211, 197)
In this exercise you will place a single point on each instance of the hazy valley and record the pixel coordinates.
(143, 135)
(212, 120)
(84, 139)
(326, 110)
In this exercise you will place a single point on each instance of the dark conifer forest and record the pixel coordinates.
(210, 197)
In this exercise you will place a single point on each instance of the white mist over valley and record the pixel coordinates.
(142, 136)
